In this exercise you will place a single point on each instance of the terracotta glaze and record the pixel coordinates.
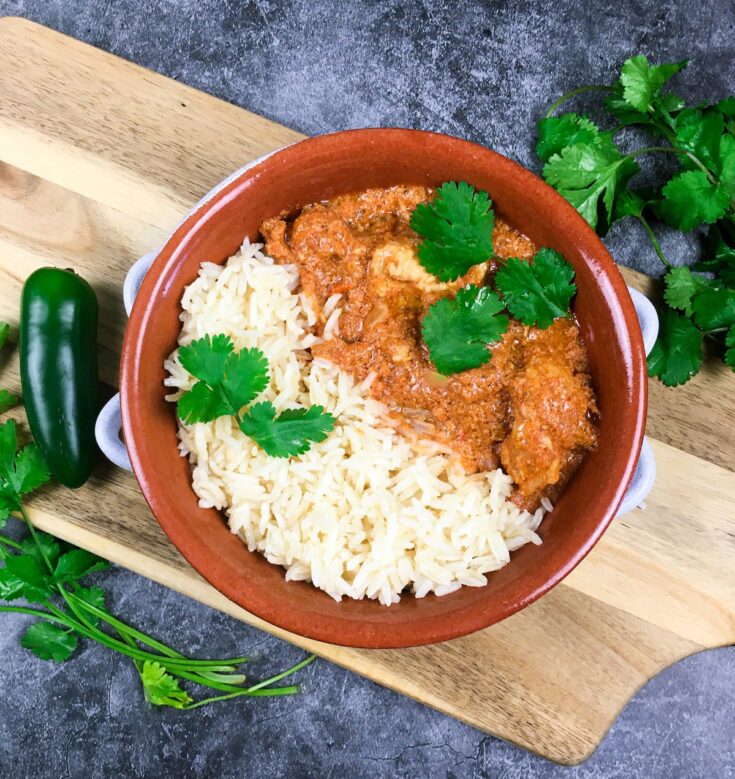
(317, 169)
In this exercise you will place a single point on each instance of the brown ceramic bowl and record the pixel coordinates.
(318, 169)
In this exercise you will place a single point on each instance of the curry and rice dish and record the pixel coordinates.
(529, 409)
(420, 480)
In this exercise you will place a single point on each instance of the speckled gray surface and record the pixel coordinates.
(484, 72)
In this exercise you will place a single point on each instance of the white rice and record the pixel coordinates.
(365, 513)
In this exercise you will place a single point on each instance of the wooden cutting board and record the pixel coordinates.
(99, 159)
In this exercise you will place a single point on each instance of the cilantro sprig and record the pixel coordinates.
(586, 165)
(228, 381)
(458, 331)
(537, 292)
(457, 228)
(47, 579)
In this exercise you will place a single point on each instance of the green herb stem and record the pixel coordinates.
(172, 664)
(262, 688)
(670, 136)
(573, 93)
(277, 678)
(91, 631)
(197, 678)
(151, 642)
(277, 691)
(59, 587)
(656, 245)
(673, 150)
(137, 663)
(59, 620)
(10, 542)
(34, 535)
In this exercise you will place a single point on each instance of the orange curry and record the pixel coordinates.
(530, 408)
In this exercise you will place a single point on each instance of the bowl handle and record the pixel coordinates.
(108, 428)
(645, 470)
(108, 432)
(109, 421)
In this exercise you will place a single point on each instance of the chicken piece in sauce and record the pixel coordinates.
(530, 408)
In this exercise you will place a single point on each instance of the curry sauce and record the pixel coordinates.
(530, 409)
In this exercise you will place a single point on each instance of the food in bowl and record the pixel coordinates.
(429, 432)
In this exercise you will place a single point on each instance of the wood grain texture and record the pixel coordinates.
(99, 159)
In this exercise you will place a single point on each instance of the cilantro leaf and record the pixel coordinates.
(681, 287)
(230, 381)
(7, 507)
(24, 576)
(714, 308)
(457, 228)
(555, 133)
(94, 596)
(8, 445)
(7, 400)
(641, 81)
(537, 292)
(690, 199)
(20, 473)
(590, 175)
(42, 544)
(246, 376)
(77, 564)
(725, 165)
(677, 353)
(4, 331)
(730, 343)
(290, 433)
(202, 404)
(162, 689)
(206, 357)
(29, 471)
(699, 133)
(458, 331)
(235, 380)
(49, 642)
(630, 202)
(626, 115)
(11, 587)
(720, 257)
(727, 107)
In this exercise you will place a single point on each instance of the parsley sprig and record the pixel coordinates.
(586, 165)
(47, 579)
(228, 381)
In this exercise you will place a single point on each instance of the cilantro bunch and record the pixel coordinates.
(228, 381)
(457, 229)
(588, 167)
(47, 579)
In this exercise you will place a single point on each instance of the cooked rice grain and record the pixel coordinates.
(365, 513)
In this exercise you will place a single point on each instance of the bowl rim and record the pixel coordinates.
(371, 636)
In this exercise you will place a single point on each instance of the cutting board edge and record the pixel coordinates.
(196, 588)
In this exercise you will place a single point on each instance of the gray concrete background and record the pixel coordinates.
(481, 70)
